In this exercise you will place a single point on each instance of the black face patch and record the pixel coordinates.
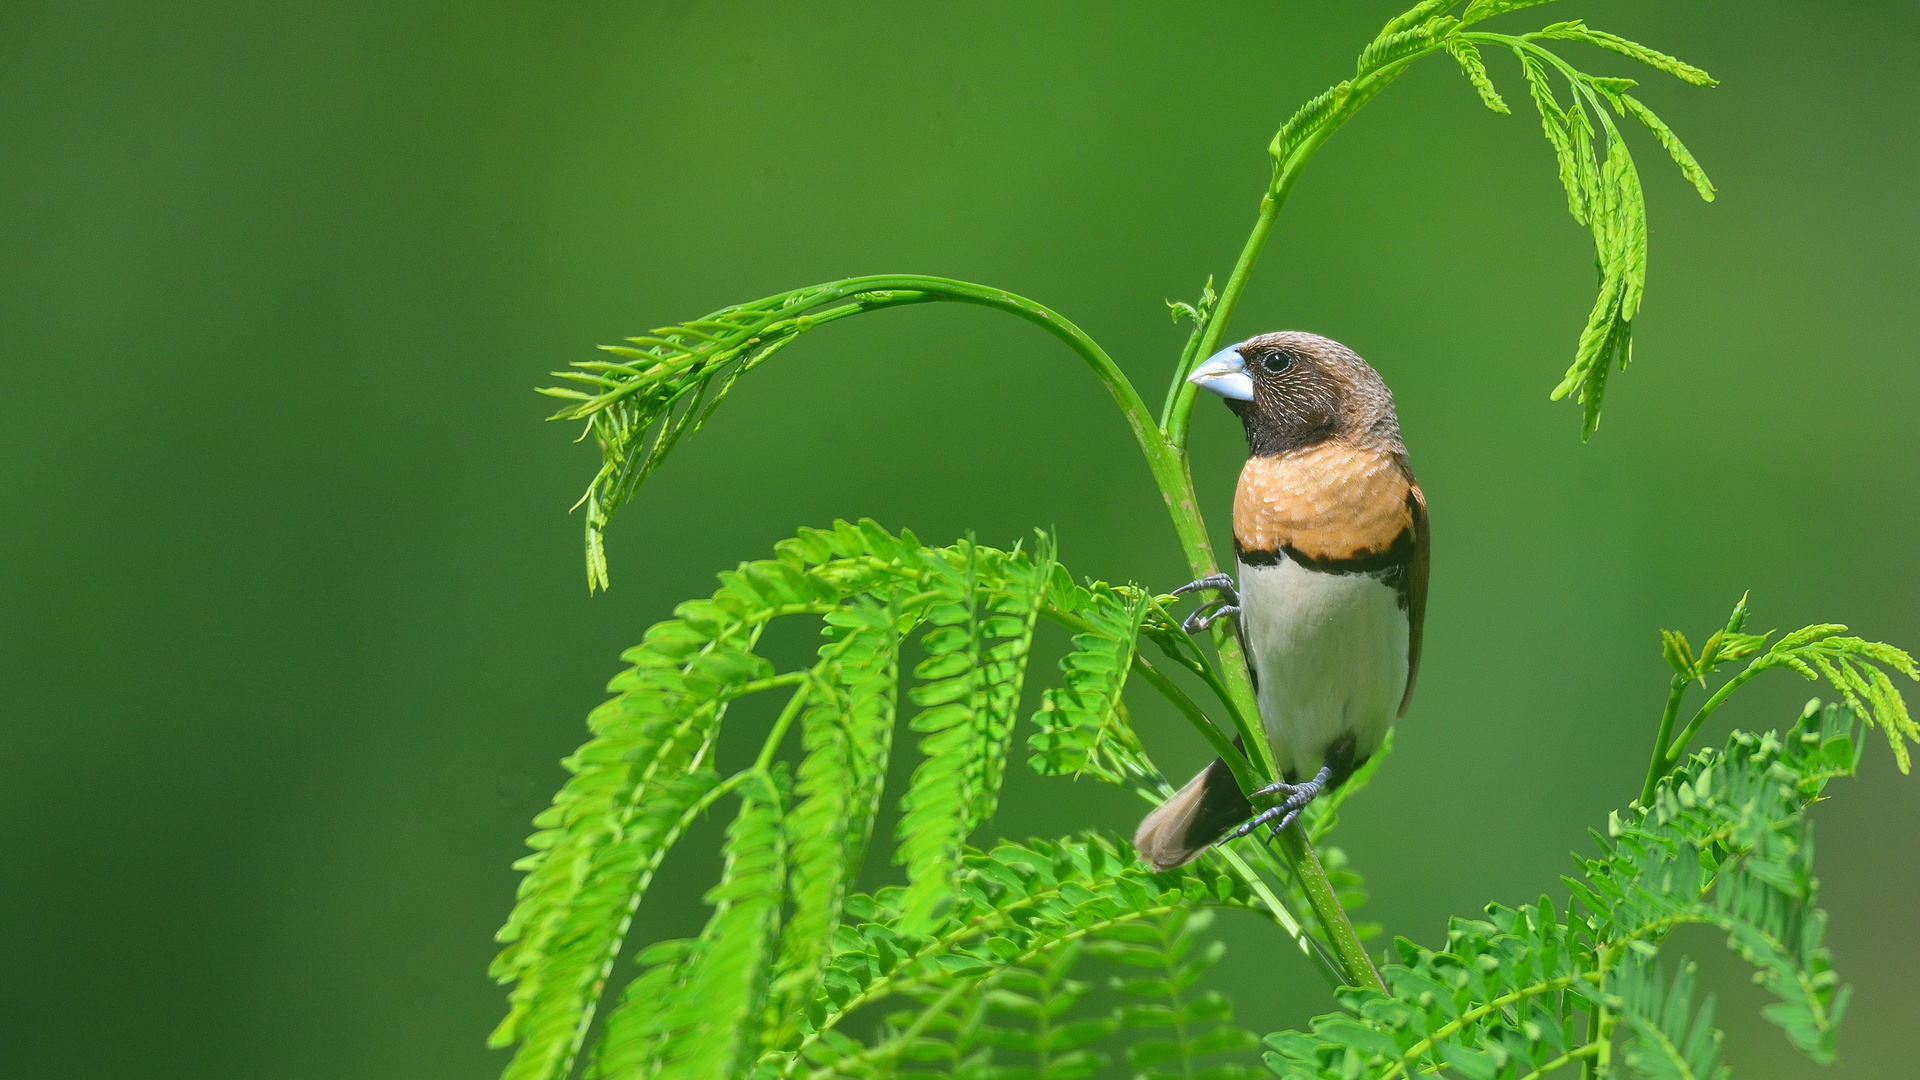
(1296, 402)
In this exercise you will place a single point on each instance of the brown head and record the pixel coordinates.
(1293, 390)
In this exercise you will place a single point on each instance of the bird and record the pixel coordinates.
(1332, 554)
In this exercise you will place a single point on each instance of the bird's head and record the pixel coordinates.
(1293, 390)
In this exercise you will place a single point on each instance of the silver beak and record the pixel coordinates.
(1225, 373)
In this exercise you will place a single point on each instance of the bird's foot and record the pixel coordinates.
(1282, 814)
(1225, 606)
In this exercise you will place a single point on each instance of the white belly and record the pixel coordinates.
(1329, 652)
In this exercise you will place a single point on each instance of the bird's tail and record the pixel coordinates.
(1195, 816)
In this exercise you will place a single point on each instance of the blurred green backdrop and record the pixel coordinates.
(295, 625)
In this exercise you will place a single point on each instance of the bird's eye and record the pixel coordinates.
(1277, 362)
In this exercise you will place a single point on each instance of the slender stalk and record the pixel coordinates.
(1658, 766)
(1568, 1058)
(1237, 763)
(1680, 742)
(1323, 962)
(780, 726)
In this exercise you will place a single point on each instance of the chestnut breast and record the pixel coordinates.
(1333, 505)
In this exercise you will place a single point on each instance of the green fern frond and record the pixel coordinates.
(1479, 10)
(634, 788)
(1670, 1040)
(848, 737)
(662, 388)
(1500, 1000)
(1724, 843)
(1475, 69)
(1083, 722)
(1853, 666)
(1605, 195)
(645, 776)
(982, 630)
(1181, 1027)
(1027, 1024)
(1011, 905)
(707, 1027)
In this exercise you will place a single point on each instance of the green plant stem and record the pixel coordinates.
(1668, 755)
(792, 709)
(1568, 1058)
(1315, 952)
(1237, 762)
(1345, 941)
(1680, 742)
(1658, 766)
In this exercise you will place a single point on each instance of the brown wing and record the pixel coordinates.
(1415, 585)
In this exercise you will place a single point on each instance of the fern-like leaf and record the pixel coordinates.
(607, 831)
(982, 629)
(1475, 69)
(1179, 1027)
(1083, 723)
(1725, 843)
(847, 736)
(704, 1023)
(1671, 1041)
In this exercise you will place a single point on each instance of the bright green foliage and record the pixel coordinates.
(1083, 722)
(1604, 195)
(1181, 1028)
(663, 385)
(1670, 1040)
(667, 382)
(789, 951)
(982, 616)
(1019, 1024)
(1726, 843)
(968, 970)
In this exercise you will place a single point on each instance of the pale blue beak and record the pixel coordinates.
(1225, 373)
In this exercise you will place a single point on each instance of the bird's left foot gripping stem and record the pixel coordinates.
(1283, 813)
(1224, 606)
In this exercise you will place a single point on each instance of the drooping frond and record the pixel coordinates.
(982, 627)
(1083, 723)
(789, 950)
(663, 385)
(1603, 194)
(848, 738)
(634, 789)
(1475, 69)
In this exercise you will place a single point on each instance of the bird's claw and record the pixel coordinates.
(1282, 814)
(1226, 605)
(1208, 614)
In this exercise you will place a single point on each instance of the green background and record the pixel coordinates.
(295, 623)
